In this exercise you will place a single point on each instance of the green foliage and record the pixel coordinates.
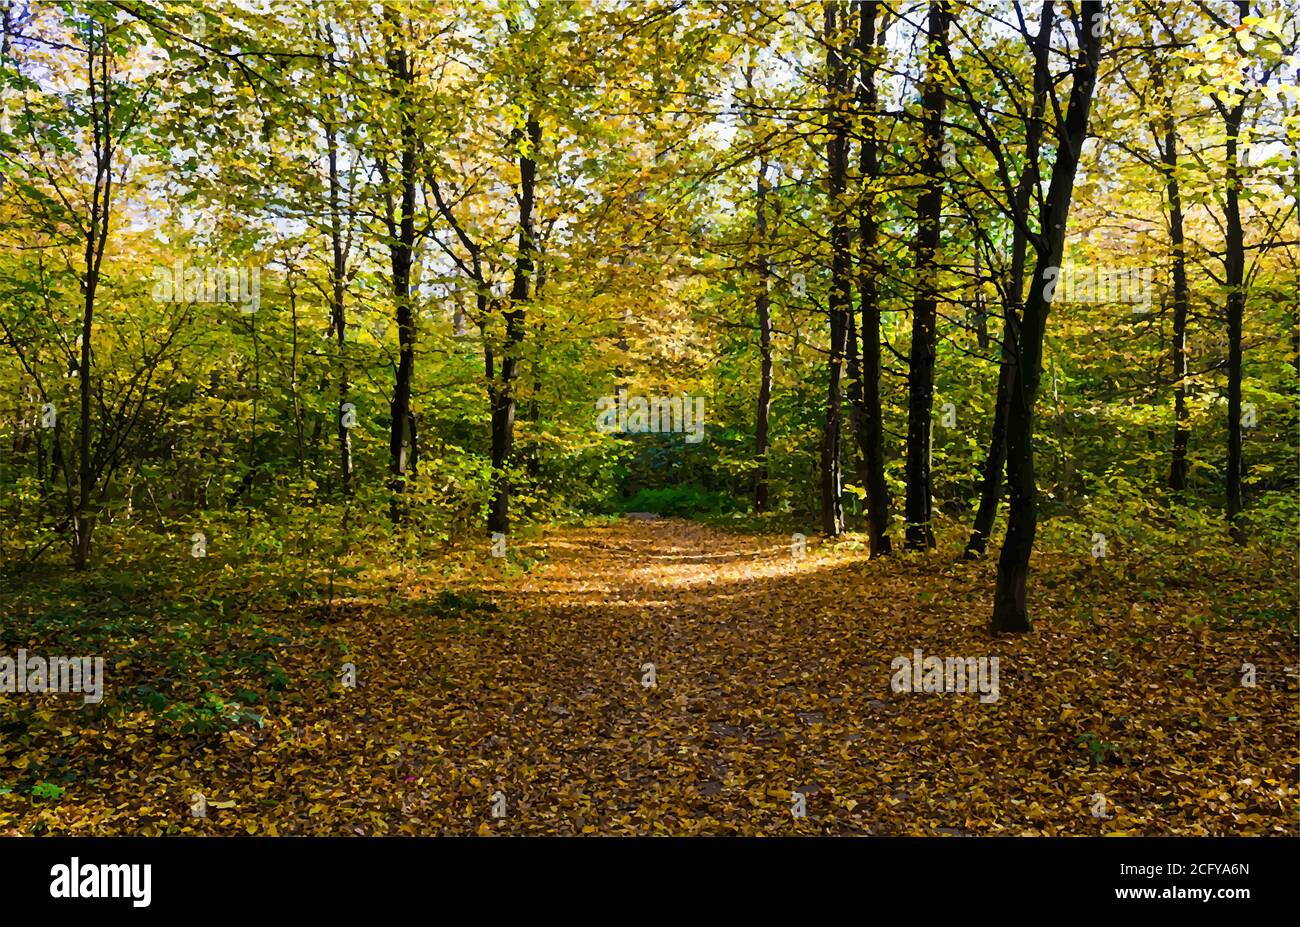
(47, 791)
(1099, 751)
(680, 501)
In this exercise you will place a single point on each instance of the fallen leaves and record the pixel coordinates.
(771, 677)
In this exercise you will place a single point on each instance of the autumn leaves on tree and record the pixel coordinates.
(500, 350)
(844, 224)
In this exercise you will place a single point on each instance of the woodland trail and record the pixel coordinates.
(525, 695)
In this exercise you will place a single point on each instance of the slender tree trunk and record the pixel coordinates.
(870, 433)
(857, 404)
(1010, 607)
(338, 291)
(502, 392)
(534, 462)
(401, 441)
(764, 310)
(920, 390)
(300, 448)
(994, 461)
(840, 301)
(1182, 433)
(1235, 278)
(83, 521)
(1235, 267)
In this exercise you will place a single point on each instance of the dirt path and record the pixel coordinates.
(525, 695)
(772, 676)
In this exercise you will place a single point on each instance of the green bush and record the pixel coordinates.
(681, 501)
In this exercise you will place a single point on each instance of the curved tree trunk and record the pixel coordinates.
(995, 460)
(1010, 608)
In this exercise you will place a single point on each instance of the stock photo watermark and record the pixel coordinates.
(76, 879)
(180, 283)
(31, 674)
(1071, 284)
(919, 673)
(622, 414)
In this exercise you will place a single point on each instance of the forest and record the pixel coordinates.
(632, 417)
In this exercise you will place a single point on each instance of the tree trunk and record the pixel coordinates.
(502, 392)
(401, 252)
(994, 461)
(1178, 460)
(1010, 608)
(534, 461)
(857, 405)
(870, 434)
(840, 301)
(1235, 268)
(338, 290)
(920, 382)
(1030, 176)
(764, 310)
(83, 520)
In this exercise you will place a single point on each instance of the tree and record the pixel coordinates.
(870, 424)
(763, 314)
(920, 377)
(90, 99)
(1010, 606)
(840, 300)
(1013, 289)
(501, 387)
(399, 192)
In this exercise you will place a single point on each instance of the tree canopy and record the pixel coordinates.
(295, 295)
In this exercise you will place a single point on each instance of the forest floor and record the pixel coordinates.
(515, 700)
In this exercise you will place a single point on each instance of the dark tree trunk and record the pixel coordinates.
(1182, 433)
(534, 461)
(401, 248)
(1030, 176)
(83, 516)
(840, 301)
(502, 391)
(338, 290)
(1010, 608)
(870, 432)
(995, 459)
(764, 310)
(84, 520)
(1235, 267)
(920, 381)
